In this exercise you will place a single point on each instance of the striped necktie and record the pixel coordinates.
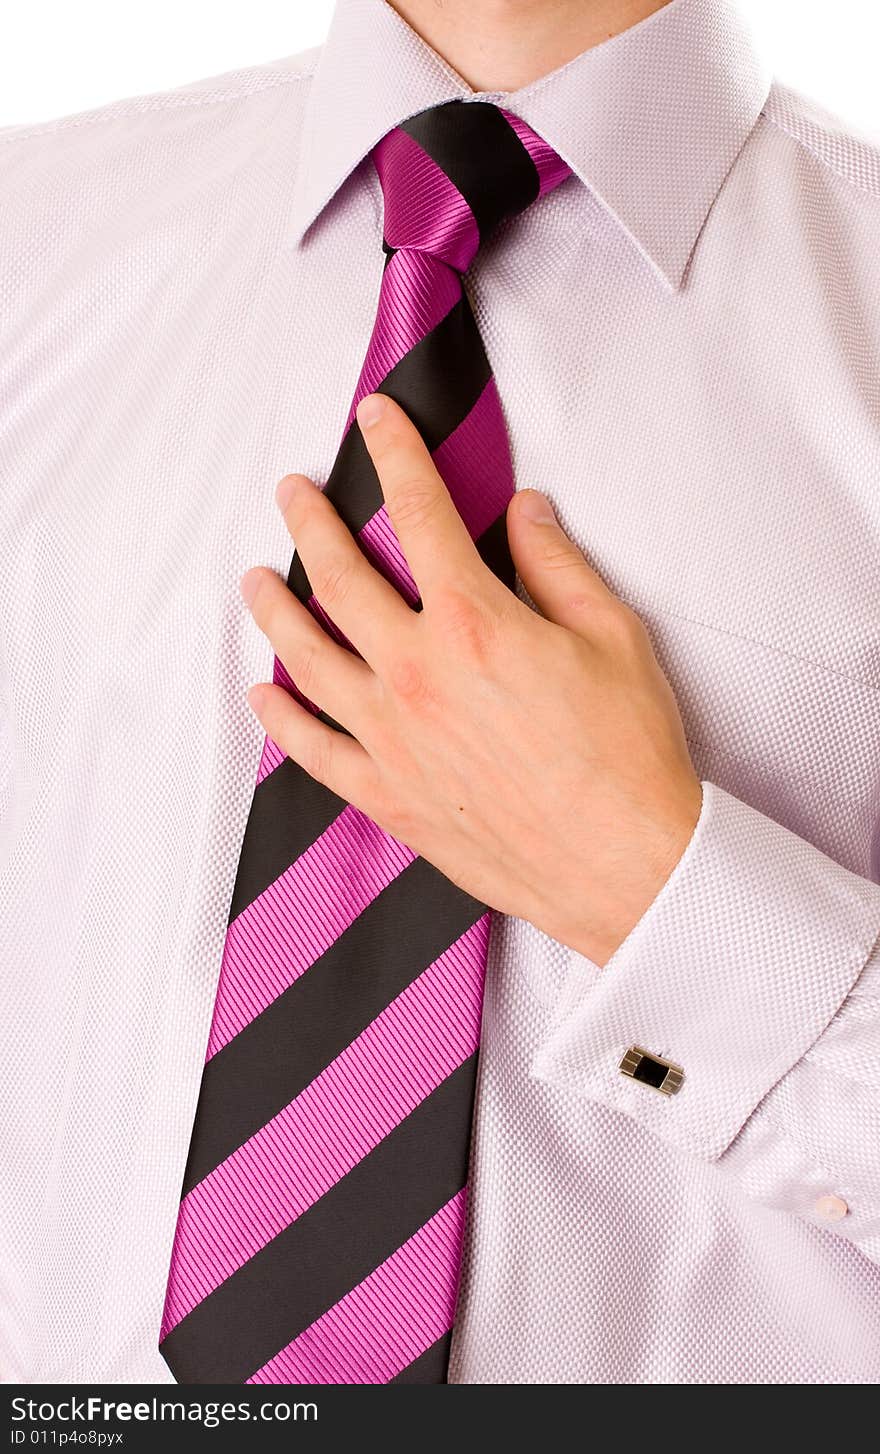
(320, 1231)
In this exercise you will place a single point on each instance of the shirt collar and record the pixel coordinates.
(650, 120)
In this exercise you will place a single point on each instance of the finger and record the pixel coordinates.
(560, 582)
(330, 757)
(365, 607)
(333, 678)
(431, 532)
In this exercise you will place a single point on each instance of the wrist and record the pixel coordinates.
(640, 873)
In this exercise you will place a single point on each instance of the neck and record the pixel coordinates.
(501, 45)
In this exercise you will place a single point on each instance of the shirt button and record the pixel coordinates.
(831, 1208)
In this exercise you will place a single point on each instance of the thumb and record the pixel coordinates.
(560, 582)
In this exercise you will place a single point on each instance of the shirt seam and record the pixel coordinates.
(766, 772)
(662, 612)
(838, 1177)
(141, 106)
(823, 161)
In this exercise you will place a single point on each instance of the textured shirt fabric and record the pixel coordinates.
(686, 341)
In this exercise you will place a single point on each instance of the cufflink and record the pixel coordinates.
(661, 1075)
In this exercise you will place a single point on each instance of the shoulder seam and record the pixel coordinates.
(823, 160)
(160, 101)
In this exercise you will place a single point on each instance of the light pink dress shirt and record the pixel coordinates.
(686, 339)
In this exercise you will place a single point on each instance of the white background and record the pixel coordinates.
(61, 56)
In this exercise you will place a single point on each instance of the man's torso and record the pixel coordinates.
(168, 354)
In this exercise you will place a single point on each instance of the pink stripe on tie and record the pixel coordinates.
(551, 169)
(383, 550)
(388, 1320)
(330, 627)
(474, 461)
(424, 1035)
(270, 758)
(417, 292)
(424, 209)
(278, 936)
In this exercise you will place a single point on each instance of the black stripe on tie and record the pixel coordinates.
(430, 1366)
(494, 550)
(452, 354)
(307, 1268)
(268, 1063)
(481, 155)
(289, 810)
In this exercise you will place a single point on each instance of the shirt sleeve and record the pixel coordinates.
(757, 971)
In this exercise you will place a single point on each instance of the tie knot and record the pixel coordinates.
(452, 173)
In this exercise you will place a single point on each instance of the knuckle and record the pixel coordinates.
(626, 627)
(399, 820)
(415, 501)
(409, 682)
(559, 553)
(317, 758)
(464, 623)
(581, 602)
(306, 669)
(332, 578)
(378, 736)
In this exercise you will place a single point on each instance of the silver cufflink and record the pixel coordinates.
(661, 1075)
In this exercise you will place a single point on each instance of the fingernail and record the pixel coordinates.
(537, 507)
(248, 586)
(284, 492)
(254, 697)
(370, 410)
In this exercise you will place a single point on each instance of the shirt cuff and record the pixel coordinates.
(733, 972)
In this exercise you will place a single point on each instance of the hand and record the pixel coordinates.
(538, 761)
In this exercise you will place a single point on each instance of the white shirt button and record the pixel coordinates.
(831, 1208)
